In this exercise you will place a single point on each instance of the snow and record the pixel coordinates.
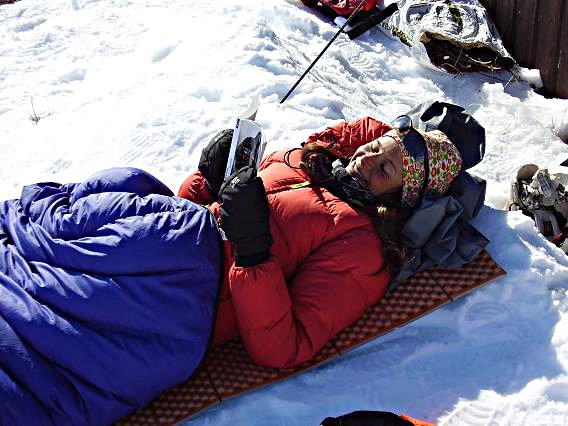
(147, 83)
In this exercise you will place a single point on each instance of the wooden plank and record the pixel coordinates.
(505, 23)
(562, 77)
(523, 49)
(490, 6)
(548, 30)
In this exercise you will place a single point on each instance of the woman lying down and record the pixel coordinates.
(112, 290)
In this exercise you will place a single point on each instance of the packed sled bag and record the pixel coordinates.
(333, 8)
(455, 36)
(107, 297)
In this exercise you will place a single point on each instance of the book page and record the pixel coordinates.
(247, 146)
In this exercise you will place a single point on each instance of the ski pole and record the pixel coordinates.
(324, 49)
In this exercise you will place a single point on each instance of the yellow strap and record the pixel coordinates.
(300, 185)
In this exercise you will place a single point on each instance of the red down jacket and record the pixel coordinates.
(325, 263)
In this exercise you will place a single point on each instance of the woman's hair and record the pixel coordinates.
(316, 163)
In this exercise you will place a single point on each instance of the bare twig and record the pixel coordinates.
(459, 56)
(514, 77)
(447, 64)
(33, 116)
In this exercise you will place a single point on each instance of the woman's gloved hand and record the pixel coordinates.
(245, 216)
(213, 160)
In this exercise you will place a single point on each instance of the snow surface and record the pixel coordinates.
(147, 83)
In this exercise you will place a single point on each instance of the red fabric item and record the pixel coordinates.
(194, 189)
(324, 269)
(350, 136)
(342, 7)
(559, 239)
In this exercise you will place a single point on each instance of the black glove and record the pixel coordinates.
(213, 160)
(244, 216)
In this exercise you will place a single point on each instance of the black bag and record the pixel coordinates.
(464, 131)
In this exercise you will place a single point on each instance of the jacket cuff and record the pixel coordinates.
(250, 260)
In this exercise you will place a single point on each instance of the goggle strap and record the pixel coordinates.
(425, 161)
(412, 150)
(426, 178)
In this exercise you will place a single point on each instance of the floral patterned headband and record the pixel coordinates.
(444, 164)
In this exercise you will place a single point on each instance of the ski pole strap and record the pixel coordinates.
(372, 20)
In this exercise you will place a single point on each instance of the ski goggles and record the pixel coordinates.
(415, 144)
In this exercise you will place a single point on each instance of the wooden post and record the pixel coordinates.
(523, 49)
(562, 76)
(547, 49)
(535, 32)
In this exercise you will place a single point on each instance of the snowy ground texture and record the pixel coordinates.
(147, 83)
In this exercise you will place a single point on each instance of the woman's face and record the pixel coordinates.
(378, 165)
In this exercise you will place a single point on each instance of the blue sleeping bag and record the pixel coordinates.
(107, 297)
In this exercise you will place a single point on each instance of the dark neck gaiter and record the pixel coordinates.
(329, 172)
(350, 189)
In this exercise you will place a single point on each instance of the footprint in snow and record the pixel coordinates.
(74, 75)
(483, 312)
(162, 53)
(28, 26)
(479, 413)
(59, 165)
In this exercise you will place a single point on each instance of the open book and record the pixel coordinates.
(247, 146)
